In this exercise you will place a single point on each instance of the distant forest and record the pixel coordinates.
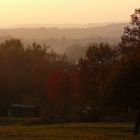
(72, 41)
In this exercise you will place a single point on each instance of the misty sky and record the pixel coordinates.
(15, 12)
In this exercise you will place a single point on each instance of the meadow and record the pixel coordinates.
(71, 131)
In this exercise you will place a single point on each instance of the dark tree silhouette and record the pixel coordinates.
(94, 70)
(131, 36)
(24, 71)
(130, 42)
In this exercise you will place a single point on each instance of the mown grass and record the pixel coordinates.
(85, 131)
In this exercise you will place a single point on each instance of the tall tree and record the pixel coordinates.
(131, 36)
(94, 69)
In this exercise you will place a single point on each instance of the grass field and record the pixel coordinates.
(85, 131)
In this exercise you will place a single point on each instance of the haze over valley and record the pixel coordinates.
(66, 38)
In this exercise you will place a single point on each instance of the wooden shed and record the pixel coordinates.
(17, 110)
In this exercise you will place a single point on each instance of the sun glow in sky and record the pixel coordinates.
(15, 12)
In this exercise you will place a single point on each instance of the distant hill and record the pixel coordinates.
(58, 25)
(83, 31)
(72, 41)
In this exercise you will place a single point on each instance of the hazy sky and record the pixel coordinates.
(15, 12)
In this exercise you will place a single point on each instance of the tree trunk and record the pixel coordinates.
(137, 123)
